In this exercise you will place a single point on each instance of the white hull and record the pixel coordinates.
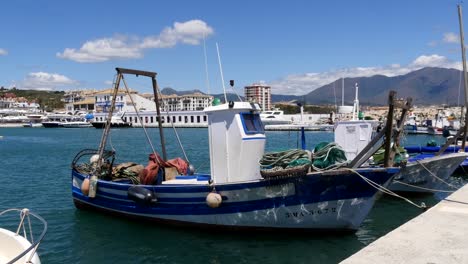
(76, 124)
(15, 246)
(11, 245)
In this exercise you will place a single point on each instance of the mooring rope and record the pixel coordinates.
(422, 188)
(387, 191)
(435, 176)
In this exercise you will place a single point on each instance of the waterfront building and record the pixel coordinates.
(259, 93)
(177, 110)
(187, 102)
(10, 101)
(79, 100)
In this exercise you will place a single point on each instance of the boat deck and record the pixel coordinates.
(439, 235)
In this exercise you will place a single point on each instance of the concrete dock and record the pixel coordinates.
(439, 235)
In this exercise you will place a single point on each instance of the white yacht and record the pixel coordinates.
(274, 117)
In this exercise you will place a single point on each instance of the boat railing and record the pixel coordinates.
(87, 166)
(27, 231)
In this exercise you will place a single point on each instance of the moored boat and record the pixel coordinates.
(237, 194)
(421, 174)
(18, 246)
(427, 173)
(116, 122)
(76, 124)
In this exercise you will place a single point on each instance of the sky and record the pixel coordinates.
(294, 46)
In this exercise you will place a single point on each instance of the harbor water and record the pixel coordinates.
(35, 173)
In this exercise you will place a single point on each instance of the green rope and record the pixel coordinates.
(328, 156)
(288, 158)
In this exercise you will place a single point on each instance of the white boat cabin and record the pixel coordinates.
(237, 141)
(353, 136)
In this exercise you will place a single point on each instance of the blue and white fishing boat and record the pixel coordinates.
(423, 173)
(236, 195)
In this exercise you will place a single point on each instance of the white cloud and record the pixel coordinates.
(3, 52)
(108, 82)
(102, 50)
(190, 32)
(299, 84)
(451, 37)
(121, 47)
(46, 81)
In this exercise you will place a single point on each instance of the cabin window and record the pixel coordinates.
(191, 119)
(204, 118)
(198, 119)
(173, 119)
(152, 119)
(252, 123)
(180, 118)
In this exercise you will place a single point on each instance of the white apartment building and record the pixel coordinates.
(259, 93)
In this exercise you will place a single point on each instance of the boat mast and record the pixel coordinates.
(102, 145)
(221, 71)
(105, 133)
(342, 91)
(356, 104)
(152, 75)
(465, 127)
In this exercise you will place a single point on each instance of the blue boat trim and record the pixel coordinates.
(255, 138)
(312, 189)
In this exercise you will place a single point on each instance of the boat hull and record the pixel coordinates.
(51, 124)
(12, 245)
(114, 125)
(317, 201)
(418, 176)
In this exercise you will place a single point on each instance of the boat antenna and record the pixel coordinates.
(221, 71)
(465, 127)
(231, 83)
(206, 65)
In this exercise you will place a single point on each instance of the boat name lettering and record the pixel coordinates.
(304, 213)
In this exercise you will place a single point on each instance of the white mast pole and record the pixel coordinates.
(206, 66)
(221, 71)
(356, 103)
(342, 91)
(460, 20)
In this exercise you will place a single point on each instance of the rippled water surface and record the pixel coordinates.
(35, 173)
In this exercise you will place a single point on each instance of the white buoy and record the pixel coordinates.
(94, 158)
(213, 200)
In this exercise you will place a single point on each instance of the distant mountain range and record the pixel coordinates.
(427, 86)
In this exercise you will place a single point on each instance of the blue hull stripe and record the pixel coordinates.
(378, 177)
(192, 209)
(318, 188)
